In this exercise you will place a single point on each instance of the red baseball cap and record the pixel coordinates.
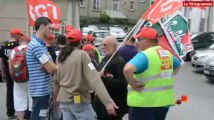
(68, 28)
(51, 37)
(16, 31)
(89, 37)
(24, 37)
(147, 32)
(75, 35)
(88, 47)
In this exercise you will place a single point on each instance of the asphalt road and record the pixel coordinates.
(199, 90)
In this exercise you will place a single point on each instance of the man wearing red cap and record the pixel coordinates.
(5, 50)
(89, 39)
(72, 84)
(150, 76)
(90, 50)
(22, 99)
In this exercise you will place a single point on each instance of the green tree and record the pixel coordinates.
(104, 18)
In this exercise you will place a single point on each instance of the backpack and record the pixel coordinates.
(19, 66)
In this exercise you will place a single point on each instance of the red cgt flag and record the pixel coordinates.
(46, 8)
(161, 8)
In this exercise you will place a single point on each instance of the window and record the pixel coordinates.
(141, 1)
(96, 5)
(115, 6)
(81, 3)
(132, 5)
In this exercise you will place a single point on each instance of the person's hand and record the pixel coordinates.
(110, 108)
(109, 75)
(43, 69)
(55, 105)
(101, 73)
(137, 86)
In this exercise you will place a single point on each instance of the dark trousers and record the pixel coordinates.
(40, 107)
(9, 97)
(152, 113)
(101, 111)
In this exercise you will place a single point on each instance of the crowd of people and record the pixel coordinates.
(73, 83)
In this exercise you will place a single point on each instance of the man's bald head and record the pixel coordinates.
(109, 45)
(111, 40)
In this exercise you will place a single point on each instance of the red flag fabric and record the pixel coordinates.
(161, 8)
(46, 8)
(163, 42)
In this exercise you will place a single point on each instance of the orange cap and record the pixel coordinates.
(16, 31)
(24, 37)
(89, 37)
(88, 47)
(51, 37)
(75, 35)
(68, 28)
(148, 33)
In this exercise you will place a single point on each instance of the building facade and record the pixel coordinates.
(200, 20)
(131, 9)
(13, 13)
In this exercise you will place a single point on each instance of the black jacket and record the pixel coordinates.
(116, 85)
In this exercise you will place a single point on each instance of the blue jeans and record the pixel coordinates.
(40, 108)
(151, 113)
(82, 111)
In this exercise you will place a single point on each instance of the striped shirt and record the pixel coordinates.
(40, 83)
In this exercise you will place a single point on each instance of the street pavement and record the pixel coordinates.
(199, 90)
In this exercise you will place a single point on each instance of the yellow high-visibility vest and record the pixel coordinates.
(158, 80)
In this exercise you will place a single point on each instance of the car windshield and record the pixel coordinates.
(100, 34)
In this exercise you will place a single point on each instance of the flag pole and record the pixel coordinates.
(128, 36)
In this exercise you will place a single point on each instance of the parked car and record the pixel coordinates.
(209, 69)
(200, 40)
(117, 32)
(86, 30)
(202, 56)
(99, 35)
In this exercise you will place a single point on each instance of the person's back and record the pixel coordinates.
(128, 51)
(5, 51)
(73, 84)
(72, 78)
(22, 99)
(61, 42)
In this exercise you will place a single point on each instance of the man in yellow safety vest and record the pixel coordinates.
(150, 76)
